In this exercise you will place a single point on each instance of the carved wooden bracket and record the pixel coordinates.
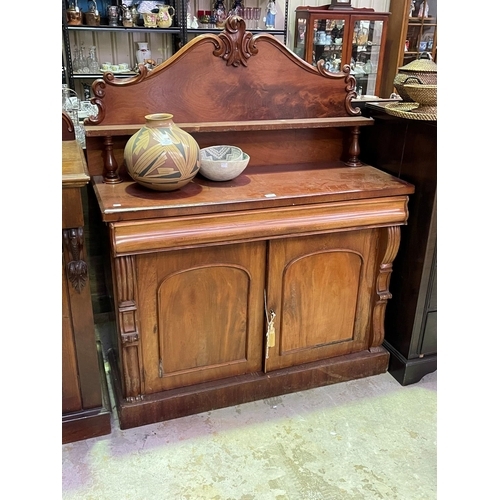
(77, 267)
(126, 291)
(393, 238)
(350, 84)
(238, 45)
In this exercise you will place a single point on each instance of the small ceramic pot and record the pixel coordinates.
(150, 19)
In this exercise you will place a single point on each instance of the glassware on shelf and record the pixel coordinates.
(76, 60)
(92, 62)
(71, 105)
(246, 14)
(82, 60)
(256, 13)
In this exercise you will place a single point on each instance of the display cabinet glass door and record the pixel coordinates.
(328, 43)
(366, 54)
(326, 39)
(340, 39)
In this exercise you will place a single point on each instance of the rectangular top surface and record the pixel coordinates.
(74, 166)
(255, 188)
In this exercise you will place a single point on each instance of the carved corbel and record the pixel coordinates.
(126, 300)
(393, 238)
(76, 268)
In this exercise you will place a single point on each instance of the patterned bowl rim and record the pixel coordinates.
(206, 150)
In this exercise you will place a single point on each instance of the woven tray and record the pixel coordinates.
(412, 111)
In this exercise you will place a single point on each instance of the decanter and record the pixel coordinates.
(92, 62)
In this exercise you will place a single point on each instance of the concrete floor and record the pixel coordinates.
(364, 439)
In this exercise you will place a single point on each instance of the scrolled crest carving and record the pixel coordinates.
(237, 44)
(350, 84)
(99, 89)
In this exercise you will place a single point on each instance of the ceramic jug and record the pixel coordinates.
(135, 14)
(113, 14)
(126, 16)
(165, 16)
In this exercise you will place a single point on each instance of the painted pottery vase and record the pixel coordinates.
(162, 156)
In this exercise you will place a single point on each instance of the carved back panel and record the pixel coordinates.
(232, 76)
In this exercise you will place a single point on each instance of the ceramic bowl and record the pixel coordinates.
(222, 163)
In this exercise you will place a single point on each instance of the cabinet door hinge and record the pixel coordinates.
(160, 368)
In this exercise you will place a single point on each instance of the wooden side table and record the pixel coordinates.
(85, 402)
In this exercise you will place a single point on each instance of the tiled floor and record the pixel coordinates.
(364, 439)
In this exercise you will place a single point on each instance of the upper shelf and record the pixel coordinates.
(234, 126)
(139, 29)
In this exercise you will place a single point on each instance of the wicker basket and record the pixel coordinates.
(412, 111)
(425, 95)
(422, 70)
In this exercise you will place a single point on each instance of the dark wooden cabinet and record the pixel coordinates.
(85, 406)
(408, 150)
(273, 282)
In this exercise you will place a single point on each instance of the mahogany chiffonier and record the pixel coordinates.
(274, 282)
(85, 405)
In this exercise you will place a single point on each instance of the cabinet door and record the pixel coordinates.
(202, 314)
(320, 288)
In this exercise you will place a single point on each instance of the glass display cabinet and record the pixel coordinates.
(421, 34)
(341, 35)
(412, 30)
